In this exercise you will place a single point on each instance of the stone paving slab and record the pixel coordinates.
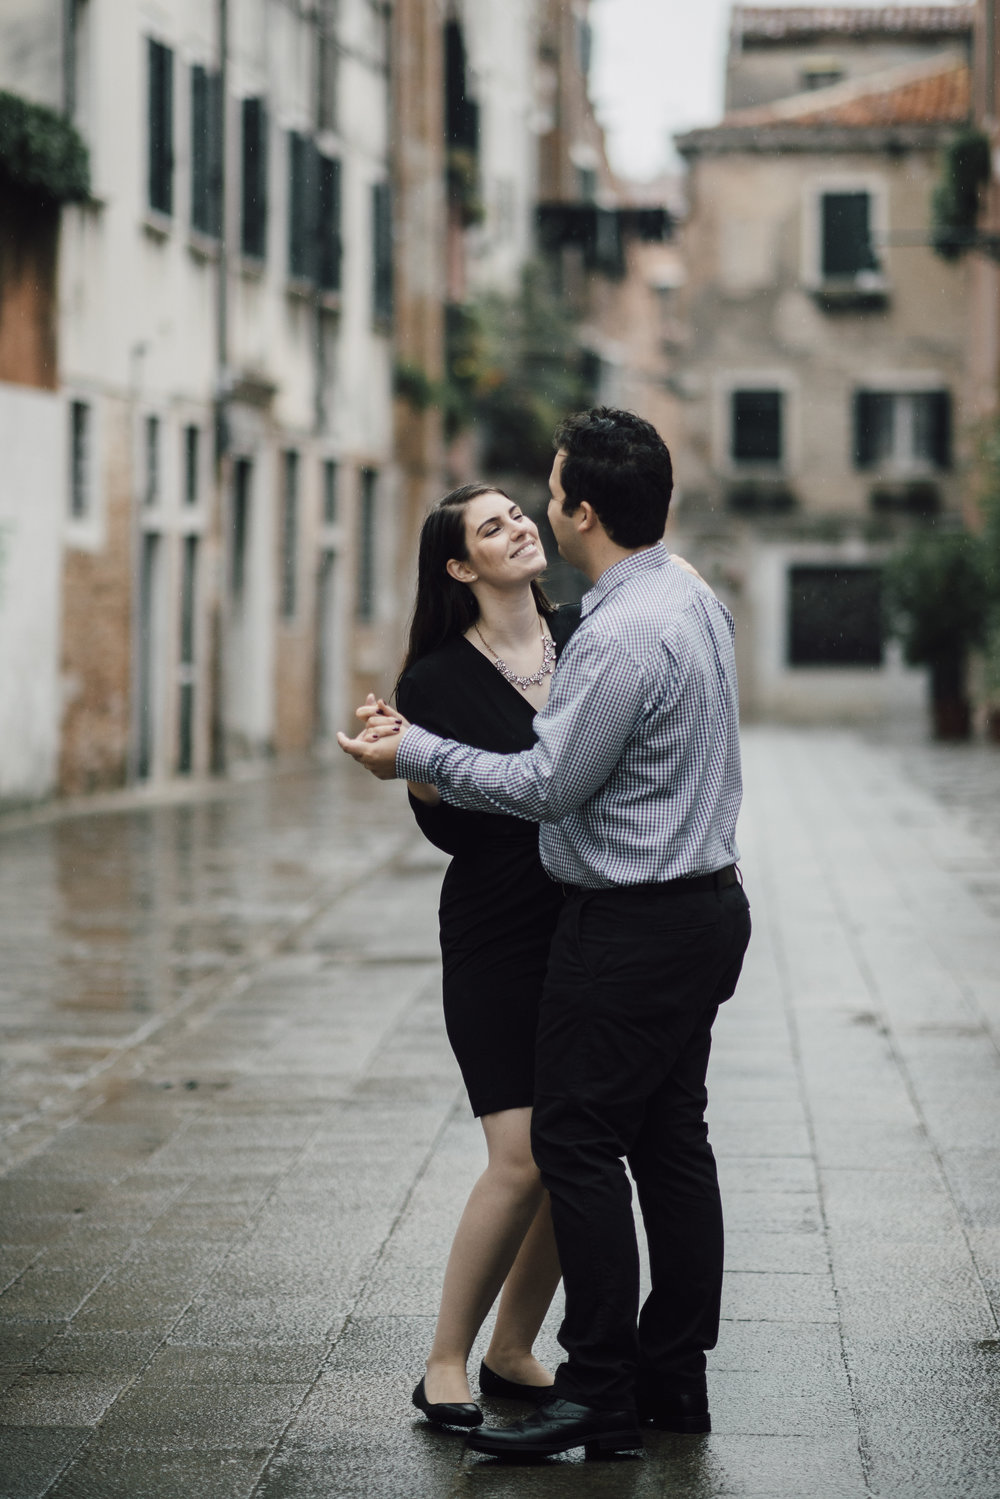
(235, 1147)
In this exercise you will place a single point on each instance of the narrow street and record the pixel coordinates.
(235, 1146)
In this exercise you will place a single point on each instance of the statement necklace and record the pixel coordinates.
(545, 670)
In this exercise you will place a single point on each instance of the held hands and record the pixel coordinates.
(376, 744)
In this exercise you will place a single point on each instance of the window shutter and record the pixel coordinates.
(199, 149)
(846, 229)
(940, 403)
(756, 426)
(301, 207)
(382, 252)
(254, 195)
(216, 105)
(329, 235)
(161, 127)
(864, 428)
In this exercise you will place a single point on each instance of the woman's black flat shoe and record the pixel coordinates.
(508, 1389)
(447, 1413)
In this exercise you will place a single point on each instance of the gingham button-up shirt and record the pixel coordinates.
(635, 775)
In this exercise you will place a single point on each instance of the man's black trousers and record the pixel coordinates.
(636, 976)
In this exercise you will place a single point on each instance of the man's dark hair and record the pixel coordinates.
(620, 465)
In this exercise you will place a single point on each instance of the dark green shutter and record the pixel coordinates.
(382, 252)
(756, 426)
(160, 127)
(847, 238)
(940, 401)
(328, 215)
(253, 230)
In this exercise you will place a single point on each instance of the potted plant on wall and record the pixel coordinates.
(938, 601)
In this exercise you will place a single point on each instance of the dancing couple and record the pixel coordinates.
(582, 767)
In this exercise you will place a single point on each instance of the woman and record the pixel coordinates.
(482, 647)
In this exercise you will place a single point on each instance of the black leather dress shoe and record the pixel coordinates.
(557, 1426)
(447, 1412)
(508, 1389)
(683, 1412)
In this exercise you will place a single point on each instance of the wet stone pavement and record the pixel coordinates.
(234, 1147)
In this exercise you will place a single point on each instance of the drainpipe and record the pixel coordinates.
(223, 390)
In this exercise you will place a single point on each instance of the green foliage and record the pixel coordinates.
(414, 385)
(41, 153)
(989, 498)
(515, 368)
(462, 172)
(938, 595)
(955, 205)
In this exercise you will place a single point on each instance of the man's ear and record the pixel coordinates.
(585, 517)
(460, 571)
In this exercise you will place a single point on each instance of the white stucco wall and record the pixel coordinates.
(32, 489)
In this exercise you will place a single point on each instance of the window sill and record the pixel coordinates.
(851, 294)
(159, 226)
(202, 247)
(253, 267)
(300, 289)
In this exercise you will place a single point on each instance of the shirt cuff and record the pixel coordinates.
(416, 755)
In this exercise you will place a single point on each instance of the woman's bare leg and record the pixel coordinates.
(501, 1208)
(526, 1297)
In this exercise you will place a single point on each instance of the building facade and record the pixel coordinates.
(224, 455)
(823, 342)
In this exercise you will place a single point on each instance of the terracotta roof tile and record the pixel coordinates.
(937, 93)
(774, 23)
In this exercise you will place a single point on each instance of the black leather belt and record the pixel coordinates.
(685, 885)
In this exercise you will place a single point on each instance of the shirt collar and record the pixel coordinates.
(629, 567)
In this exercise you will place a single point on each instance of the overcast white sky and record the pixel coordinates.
(658, 68)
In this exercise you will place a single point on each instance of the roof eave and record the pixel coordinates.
(720, 140)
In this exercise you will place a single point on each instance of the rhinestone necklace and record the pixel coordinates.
(546, 669)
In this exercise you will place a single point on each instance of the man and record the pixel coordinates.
(635, 780)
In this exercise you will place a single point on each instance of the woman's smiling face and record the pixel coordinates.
(501, 541)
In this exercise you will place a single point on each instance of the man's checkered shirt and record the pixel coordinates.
(636, 773)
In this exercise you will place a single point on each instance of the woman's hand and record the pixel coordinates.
(679, 561)
(375, 746)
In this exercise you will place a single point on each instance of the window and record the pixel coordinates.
(327, 63)
(846, 246)
(253, 215)
(328, 223)
(314, 240)
(152, 493)
(756, 426)
(835, 616)
(191, 475)
(206, 152)
(301, 200)
(242, 481)
(161, 128)
(290, 537)
(365, 604)
(79, 460)
(903, 431)
(189, 594)
(329, 492)
(381, 253)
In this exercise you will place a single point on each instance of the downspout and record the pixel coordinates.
(223, 391)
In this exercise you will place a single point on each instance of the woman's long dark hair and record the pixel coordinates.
(445, 607)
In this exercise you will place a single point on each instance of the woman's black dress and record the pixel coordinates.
(498, 906)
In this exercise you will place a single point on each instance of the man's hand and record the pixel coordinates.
(375, 747)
